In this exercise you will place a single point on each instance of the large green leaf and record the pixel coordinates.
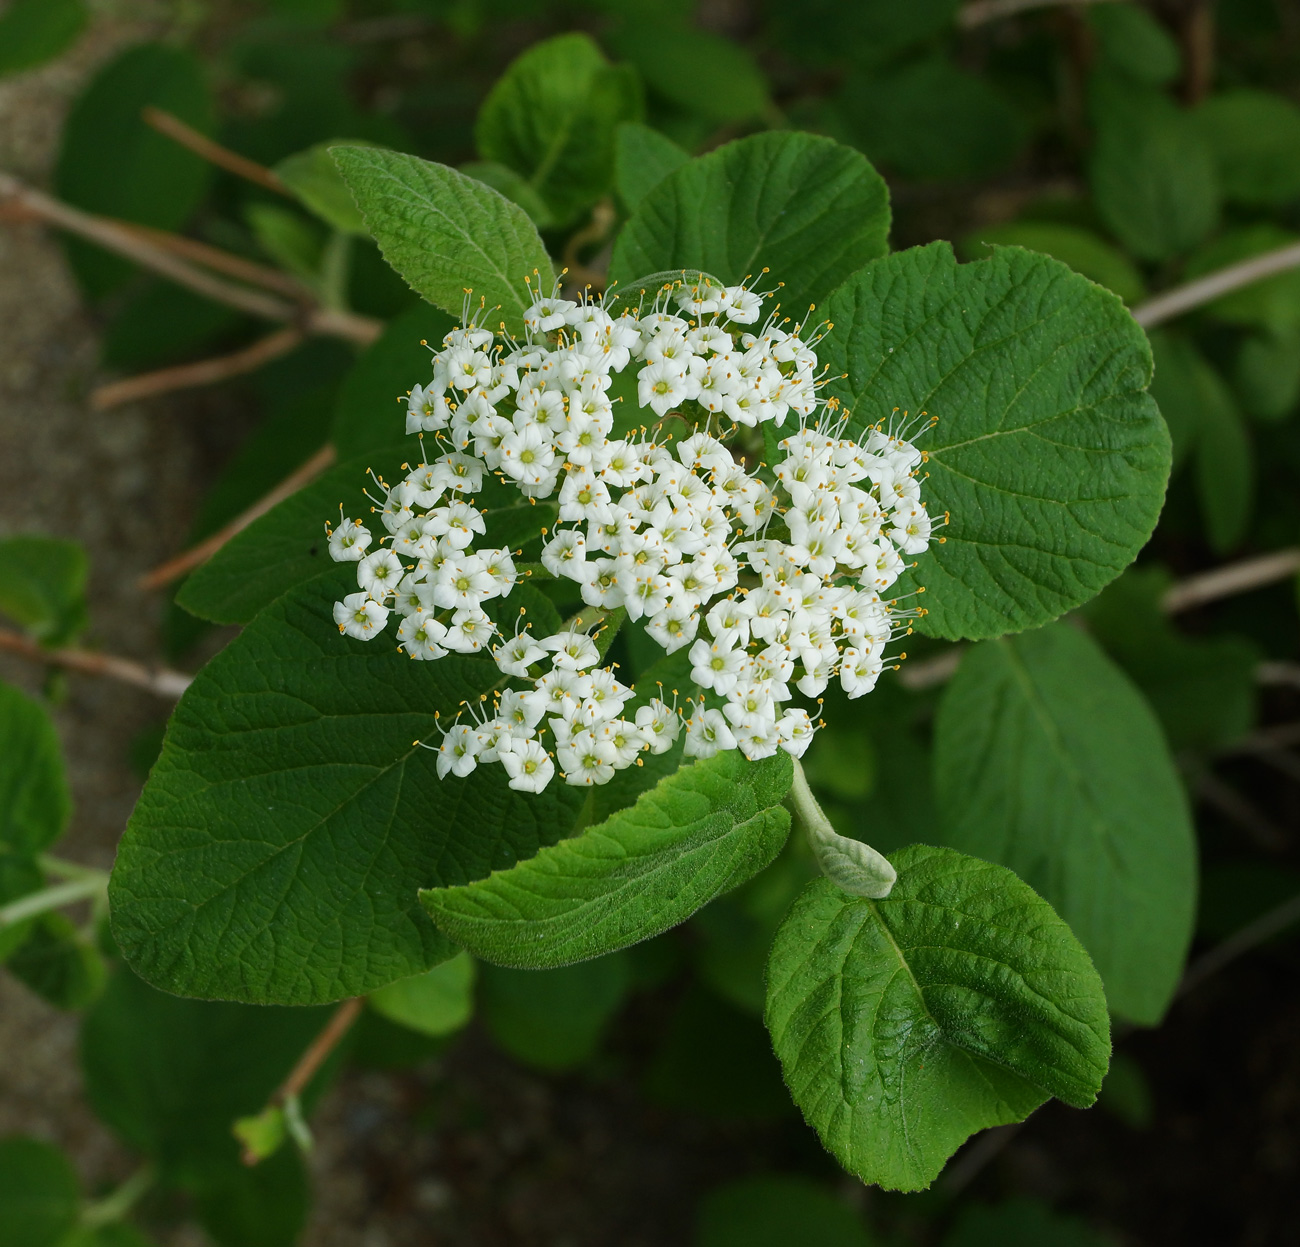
(39, 1193)
(43, 586)
(446, 233)
(170, 1076)
(905, 1025)
(552, 115)
(35, 31)
(698, 833)
(1048, 761)
(113, 163)
(807, 208)
(35, 803)
(1152, 174)
(1048, 454)
(278, 847)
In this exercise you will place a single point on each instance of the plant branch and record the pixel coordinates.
(174, 128)
(318, 1051)
(1278, 674)
(982, 11)
(158, 680)
(53, 897)
(1208, 288)
(223, 261)
(1251, 936)
(1235, 578)
(128, 241)
(187, 561)
(201, 372)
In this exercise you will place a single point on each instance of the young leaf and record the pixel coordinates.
(278, 847)
(698, 833)
(59, 964)
(112, 163)
(445, 233)
(1255, 139)
(35, 31)
(43, 586)
(39, 1193)
(642, 159)
(313, 176)
(434, 1003)
(777, 1210)
(514, 186)
(551, 117)
(35, 803)
(1151, 171)
(905, 1025)
(1049, 762)
(1048, 454)
(171, 1076)
(807, 208)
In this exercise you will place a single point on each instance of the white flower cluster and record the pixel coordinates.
(773, 576)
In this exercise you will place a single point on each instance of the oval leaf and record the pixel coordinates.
(1048, 760)
(35, 803)
(808, 208)
(445, 233)
(698, 833)
(278, 847)
(905, 1025)
(1048, 453)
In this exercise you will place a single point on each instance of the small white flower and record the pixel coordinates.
(458, 752)
(360, 616)
(527, 764)
(349, 541)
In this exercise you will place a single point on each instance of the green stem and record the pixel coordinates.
(115, 1206)
(51, 898)
(850, 865)
(61, 868)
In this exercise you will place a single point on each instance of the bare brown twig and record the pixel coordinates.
(158, 680)
(174, 128)
(981, 12)
(318, 1051)
(1208, 288)
(175, 568)
(223, 261)
(1235, 578)
(202, 372)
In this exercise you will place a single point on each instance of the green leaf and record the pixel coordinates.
(1151, 172)
(1225, 464)
(1180, 386)
(701, 72)
(515, 187)
(1048, 454)
(35, 803)
(35, 31)
(314, 178)
(1202, 689)
(263, 1205)
(553, 1019)
(39, 1193)
(446, 233)
(775, 1211)
(1021, 1223)
(1266, 377)
(642, 159)
(158, 323)
(866, 32)
(1255, 140)
(1272, 304)
(697, 834)
(551, 117)
(19, 876)
(1131, 40)
(59, 964)
(371, 410)
(1126, 1093)
(170, 1076)
(1080, 248)
(43, 586)
(807, 208)
(930, 119)
(278, 847)
(437, 1002)
(111, 162)
(294, 241)
(905, 1025)
(1048, 761)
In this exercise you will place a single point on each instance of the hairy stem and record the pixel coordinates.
(852, 866)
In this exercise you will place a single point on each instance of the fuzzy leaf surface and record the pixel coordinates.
(1048, 454)
(698, 833)
(444, 232)
(276, 853)
(1048, 761)
(808, 208)
(904, 1025)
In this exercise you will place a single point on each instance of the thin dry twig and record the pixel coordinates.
(158, 680)
(223, 261)
(1208, 288)
(983, 11)
(318, 1051)
(1228, 581)
(201, 372)
(1251, 936)
(128, 241)
(185, 562)
(187, 136)
(1278, 674)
